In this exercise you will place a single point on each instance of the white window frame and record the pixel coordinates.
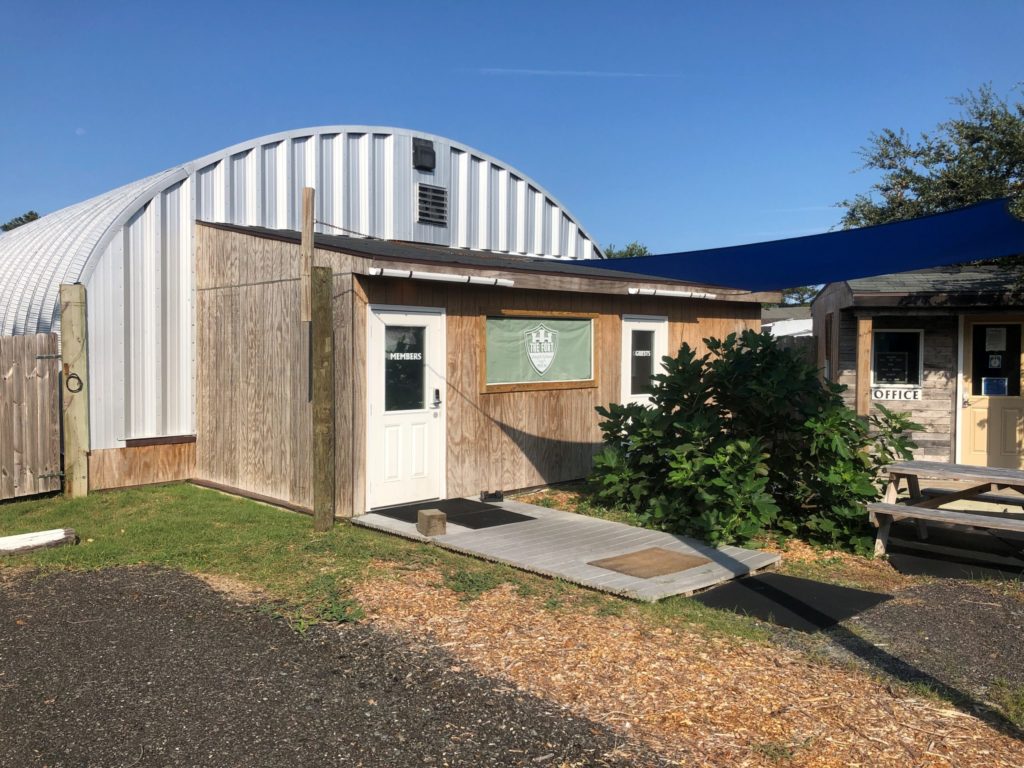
(656, 323)
(920, 358)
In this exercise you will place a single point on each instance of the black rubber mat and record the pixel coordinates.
(465, 512)
(788, 601)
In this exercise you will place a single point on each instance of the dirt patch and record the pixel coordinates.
(148, 667)
(703, 700)
(234, 588)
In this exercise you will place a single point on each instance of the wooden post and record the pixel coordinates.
(75, 389)
(322, 349)
(308, 196)
(863, 390)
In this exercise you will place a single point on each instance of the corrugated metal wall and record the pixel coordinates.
(140, 288)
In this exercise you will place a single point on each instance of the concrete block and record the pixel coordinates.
(431, 522)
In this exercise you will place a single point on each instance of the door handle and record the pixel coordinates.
(966, 403)
(437, 398)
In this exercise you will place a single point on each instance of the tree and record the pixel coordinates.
(976, 156)
(630, 251)
(17, 221)
(803, 294)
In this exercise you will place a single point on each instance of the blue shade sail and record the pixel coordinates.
(979, 232)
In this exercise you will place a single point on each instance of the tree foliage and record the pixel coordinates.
(632, 250)
(976, 156)
(17, 221)
(803, 294)
(747, 439)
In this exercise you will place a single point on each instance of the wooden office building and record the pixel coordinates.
(454, 371)
(942, 344)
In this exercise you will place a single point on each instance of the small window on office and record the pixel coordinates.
(896, 358)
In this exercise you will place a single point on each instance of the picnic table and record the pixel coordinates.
(924, 505)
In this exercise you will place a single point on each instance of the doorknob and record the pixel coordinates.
(437, 398)
(966, 403)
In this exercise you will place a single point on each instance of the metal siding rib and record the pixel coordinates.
(132, 246)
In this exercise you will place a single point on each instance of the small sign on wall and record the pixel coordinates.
(896, 393)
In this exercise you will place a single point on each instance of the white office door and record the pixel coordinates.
(644, 343)
(405, 391)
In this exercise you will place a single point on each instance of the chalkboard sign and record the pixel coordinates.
(891, 368)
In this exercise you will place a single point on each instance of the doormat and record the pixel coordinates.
(651, 562)
(465, 512)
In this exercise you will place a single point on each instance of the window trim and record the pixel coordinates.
(531, 386)
(659, 325)
(920, 358)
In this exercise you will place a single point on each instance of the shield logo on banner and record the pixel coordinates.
(541, 346)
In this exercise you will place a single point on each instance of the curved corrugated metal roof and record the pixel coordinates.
(65, 246)
(37, 257)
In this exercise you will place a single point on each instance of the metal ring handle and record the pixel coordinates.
(74, 383)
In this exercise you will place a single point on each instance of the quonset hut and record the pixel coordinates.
(440, 207)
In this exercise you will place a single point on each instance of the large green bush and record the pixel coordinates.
(744, 440)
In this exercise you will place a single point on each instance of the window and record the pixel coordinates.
(896, 358)
(403, 367)
(641, 366)
(538, 352)
(995, 360)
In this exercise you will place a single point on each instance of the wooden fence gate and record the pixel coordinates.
(29, 415)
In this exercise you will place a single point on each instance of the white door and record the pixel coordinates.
(644, 343)
(405, 391)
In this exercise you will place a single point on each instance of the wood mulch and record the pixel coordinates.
(696, 697)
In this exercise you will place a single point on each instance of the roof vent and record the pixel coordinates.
(433, 205)
(423, 158)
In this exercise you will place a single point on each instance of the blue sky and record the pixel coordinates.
(680, 124)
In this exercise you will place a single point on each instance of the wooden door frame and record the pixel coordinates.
(442, 314)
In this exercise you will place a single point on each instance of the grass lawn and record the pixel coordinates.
(307, 576)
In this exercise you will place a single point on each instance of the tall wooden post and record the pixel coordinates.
(863, 392)
(322, 348)
(75, 389)
(308, 197)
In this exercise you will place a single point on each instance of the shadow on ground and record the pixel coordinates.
(953, 637)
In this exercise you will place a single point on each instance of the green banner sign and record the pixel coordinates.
(523, 350)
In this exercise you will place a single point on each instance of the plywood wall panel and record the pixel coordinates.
(126, 467)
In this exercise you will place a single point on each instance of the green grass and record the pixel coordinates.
(201, 531)
(1009, 697)
(306, 576)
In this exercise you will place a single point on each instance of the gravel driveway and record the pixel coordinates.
(148, 667)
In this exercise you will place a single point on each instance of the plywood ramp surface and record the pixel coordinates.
(563, 545)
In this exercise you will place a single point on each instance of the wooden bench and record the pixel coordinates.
(974, 519)
(925, 505)
(988, 498)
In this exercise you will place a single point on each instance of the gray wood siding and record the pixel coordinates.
(936, 410)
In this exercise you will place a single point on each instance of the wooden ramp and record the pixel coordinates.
(565, 545)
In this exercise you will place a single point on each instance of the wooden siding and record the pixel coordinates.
(142, 465)
(512, 440)
(935, 412)
(253, 415)
(29, 415)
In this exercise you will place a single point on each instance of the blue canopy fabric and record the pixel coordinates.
(979, 232)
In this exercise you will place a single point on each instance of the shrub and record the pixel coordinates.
(747, 439)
